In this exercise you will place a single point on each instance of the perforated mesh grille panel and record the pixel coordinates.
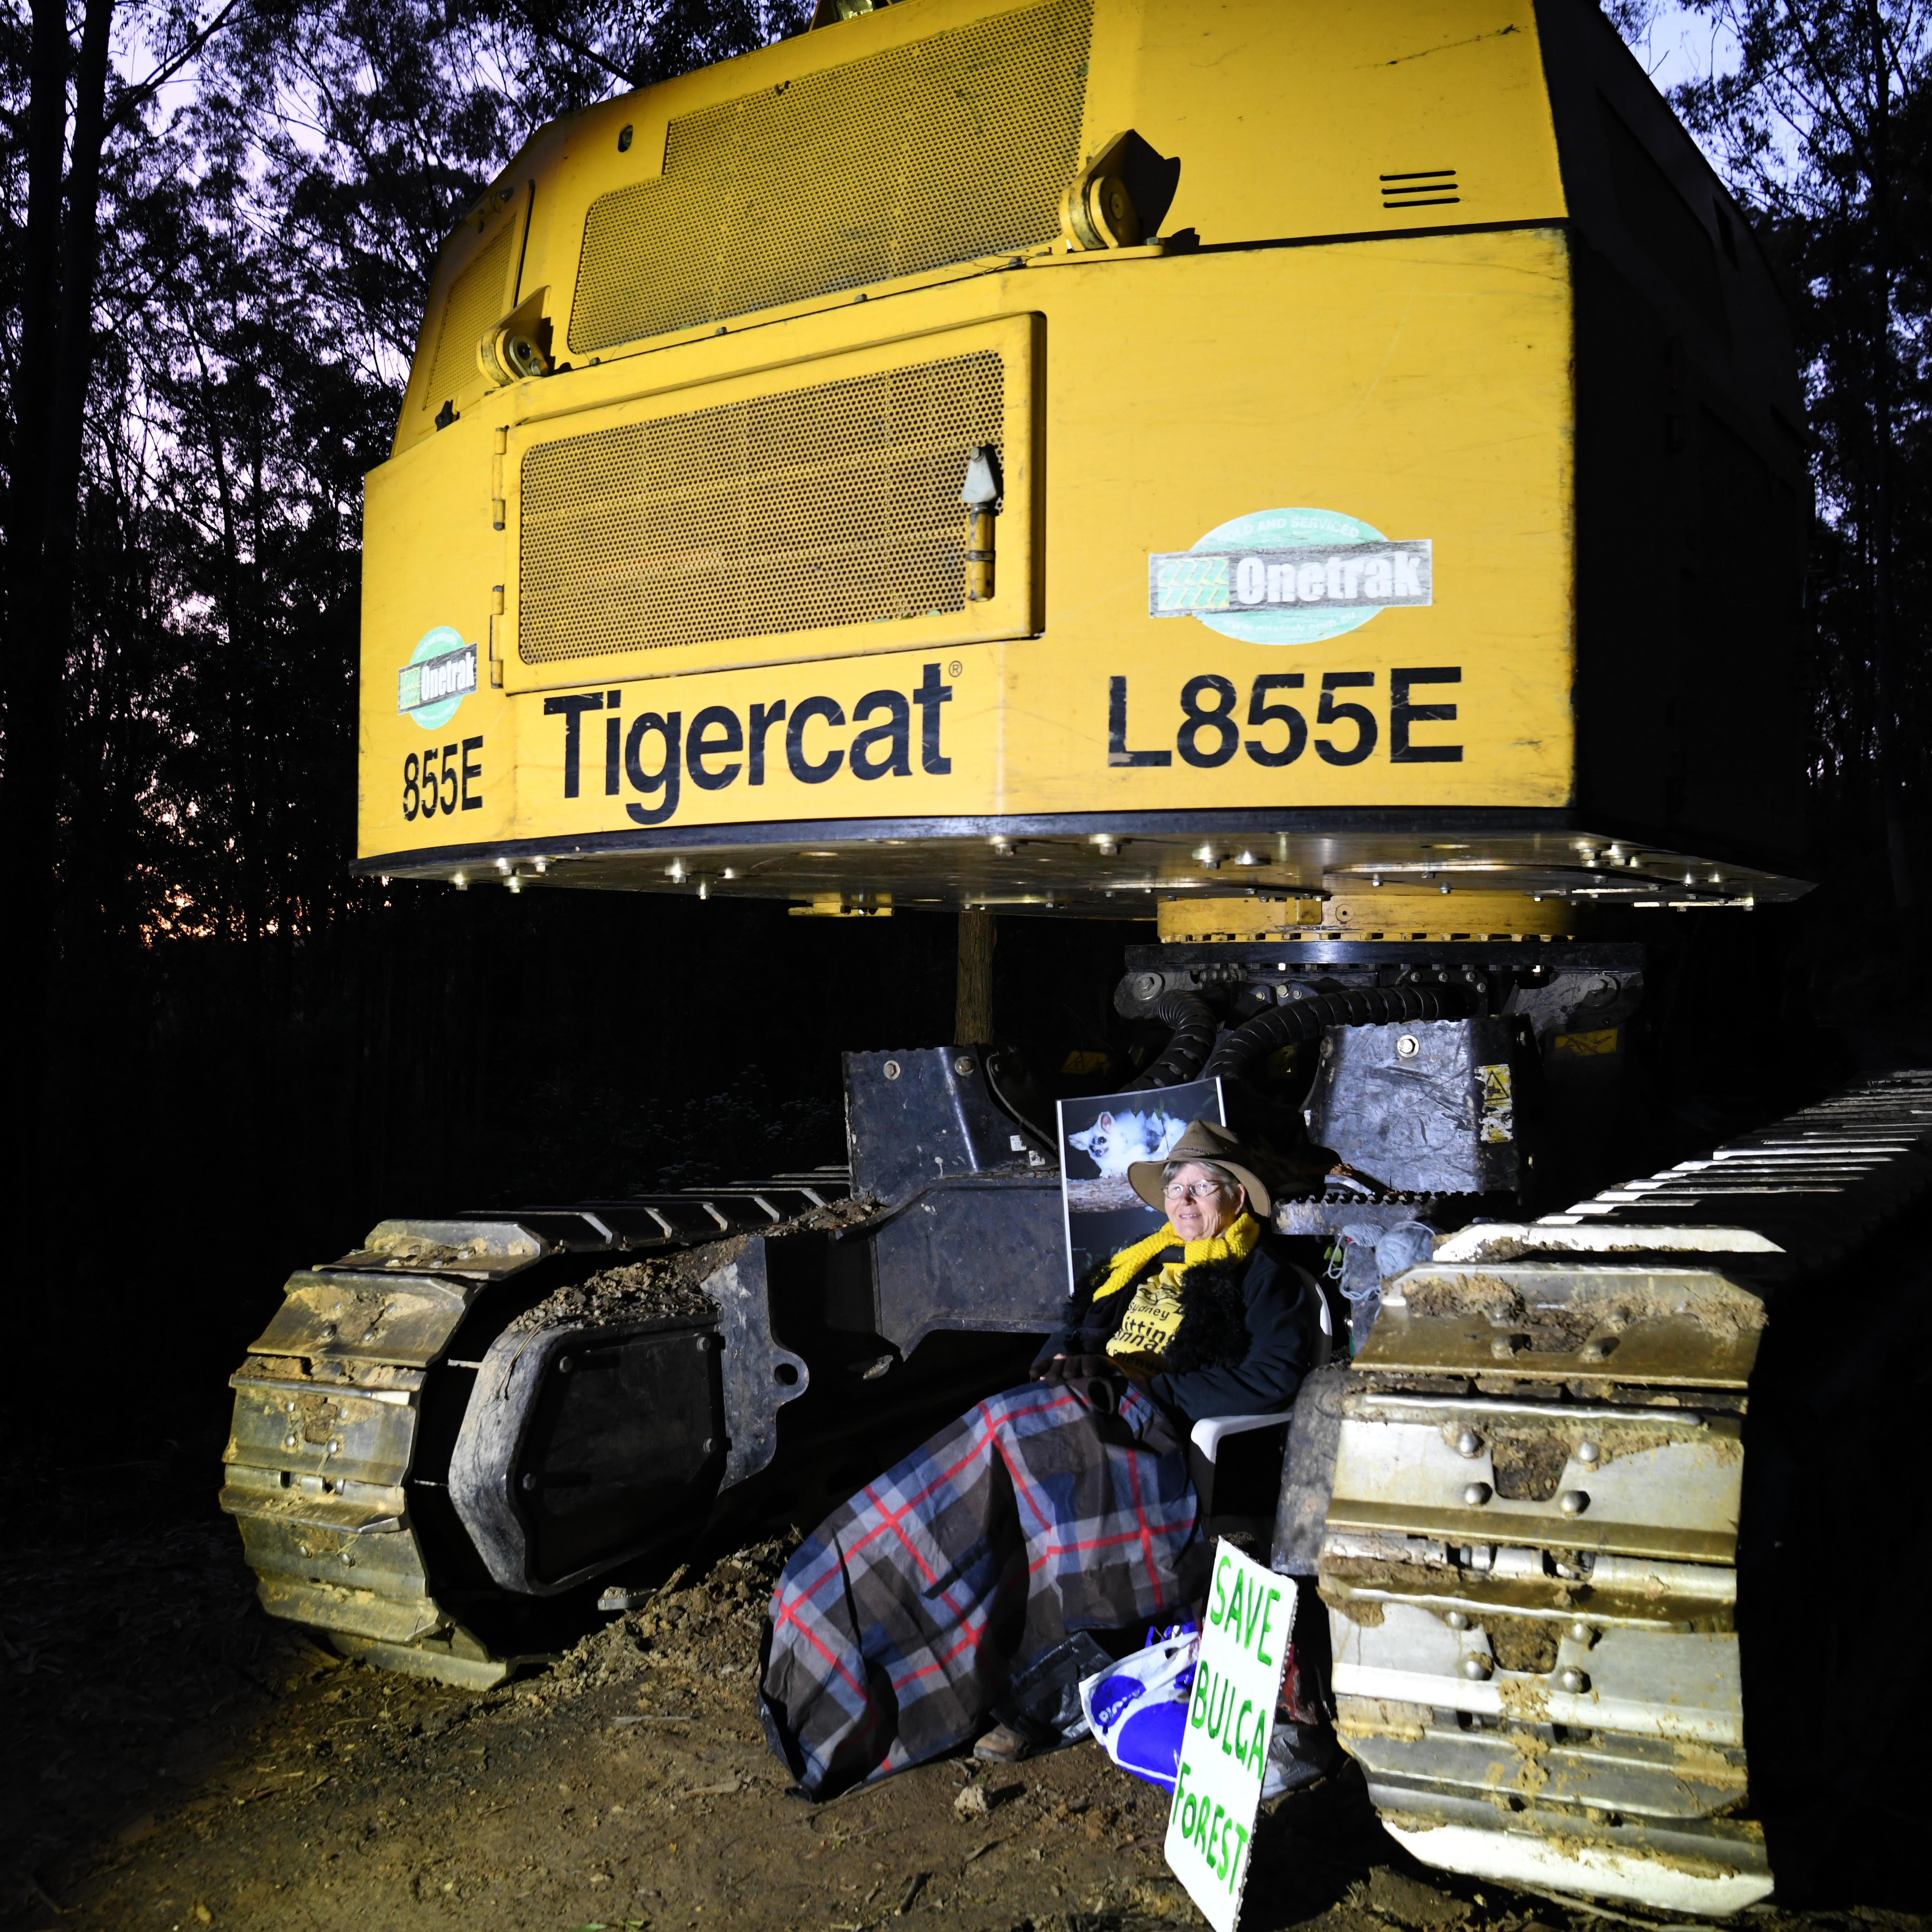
(951, 147)
(475, 301)
(834, 505)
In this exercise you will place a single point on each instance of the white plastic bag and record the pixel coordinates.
(1137, 1707)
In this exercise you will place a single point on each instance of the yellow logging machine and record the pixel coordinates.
(1326, 480)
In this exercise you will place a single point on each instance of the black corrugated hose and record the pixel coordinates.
(1301, 1020)
(1192, 1020)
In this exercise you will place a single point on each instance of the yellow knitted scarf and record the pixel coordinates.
(1234, 1243)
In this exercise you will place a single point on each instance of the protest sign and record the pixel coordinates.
(1244, 1639)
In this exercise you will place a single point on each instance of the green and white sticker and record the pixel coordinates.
(1290, 576)
(440, 674)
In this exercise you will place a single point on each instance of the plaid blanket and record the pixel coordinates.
(901, 1624)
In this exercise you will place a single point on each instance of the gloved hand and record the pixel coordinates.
(1063, 1368)
(1096, 1380)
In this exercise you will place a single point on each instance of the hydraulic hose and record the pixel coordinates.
(1192, 1020)
(1303, 1020)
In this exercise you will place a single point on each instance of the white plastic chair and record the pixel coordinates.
(1205, 1438)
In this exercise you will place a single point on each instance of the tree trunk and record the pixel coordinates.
(49, 56)
(56, 359)
(28, 647)
(1885, 666)
(973, 1005)
(25, 811)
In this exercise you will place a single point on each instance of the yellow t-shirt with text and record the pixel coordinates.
(1147, 1329)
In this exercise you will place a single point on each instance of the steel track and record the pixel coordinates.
(1531, 1554)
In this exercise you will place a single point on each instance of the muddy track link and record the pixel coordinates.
(347, 1408)
(1530, 1551)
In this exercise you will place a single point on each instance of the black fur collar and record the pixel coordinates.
(1214, 1331)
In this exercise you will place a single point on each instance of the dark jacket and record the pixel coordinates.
(1246, 1339)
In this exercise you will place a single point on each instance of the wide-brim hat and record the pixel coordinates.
(1203, 1140)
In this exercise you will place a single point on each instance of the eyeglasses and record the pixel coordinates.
(1193, 1190)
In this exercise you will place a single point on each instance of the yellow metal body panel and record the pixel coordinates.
(1424, 383)
(1286, 115)
(1365, 312)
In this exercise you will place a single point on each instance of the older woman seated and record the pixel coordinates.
(955, 1598)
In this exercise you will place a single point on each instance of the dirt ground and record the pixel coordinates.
(174, 1759)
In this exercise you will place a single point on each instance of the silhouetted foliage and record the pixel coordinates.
(1822, 121)
(217, 228)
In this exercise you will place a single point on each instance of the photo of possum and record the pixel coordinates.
(1115, 1141)
(1101, 1137)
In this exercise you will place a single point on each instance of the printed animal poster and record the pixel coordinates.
(1100, 1138)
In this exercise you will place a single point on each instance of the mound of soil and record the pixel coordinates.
(647, 1290)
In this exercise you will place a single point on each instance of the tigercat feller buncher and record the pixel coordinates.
(1325, 481)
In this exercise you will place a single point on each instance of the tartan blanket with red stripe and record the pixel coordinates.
(900, 1622)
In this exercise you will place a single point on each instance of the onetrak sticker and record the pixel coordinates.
(1290, 576)
(440, 674)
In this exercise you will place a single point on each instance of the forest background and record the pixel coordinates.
(226, 1056)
